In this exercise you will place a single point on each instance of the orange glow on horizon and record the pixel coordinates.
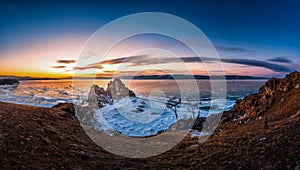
(39, 60)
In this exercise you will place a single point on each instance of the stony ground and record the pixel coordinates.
(33, 137)
(41, 138)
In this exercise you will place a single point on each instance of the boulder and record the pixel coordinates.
(66, 107)
(198, 125)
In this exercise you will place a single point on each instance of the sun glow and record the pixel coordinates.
(40, 59)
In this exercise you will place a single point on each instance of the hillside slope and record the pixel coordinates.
(277, 99)
(41, 138)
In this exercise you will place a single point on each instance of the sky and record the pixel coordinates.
(45, 39)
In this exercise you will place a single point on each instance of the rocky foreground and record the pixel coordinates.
(8, 81)
(41, 138)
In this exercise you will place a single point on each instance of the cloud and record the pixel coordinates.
(257, 63)
(232, 49)
(111, 73)
(143, 60)
(282, 59)
(65, 61)
(58, 66)
(89, 55)
(136, 60)
(90, 66)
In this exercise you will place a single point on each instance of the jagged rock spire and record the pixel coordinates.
(115, 90)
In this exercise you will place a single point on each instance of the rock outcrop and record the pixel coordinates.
(8, 81)
(115, 90)
(255, 105)
(99, 96)
(198, 125)
(66, 107)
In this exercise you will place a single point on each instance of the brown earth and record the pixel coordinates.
(41, 138)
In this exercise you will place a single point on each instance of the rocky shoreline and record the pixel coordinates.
(116, 90)
(256, 106)
(52, 138)
(9, 81)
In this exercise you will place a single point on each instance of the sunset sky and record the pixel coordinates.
(45, 39)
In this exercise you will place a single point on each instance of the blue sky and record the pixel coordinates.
(265, 31)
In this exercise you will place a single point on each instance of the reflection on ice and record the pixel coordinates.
(148, 107)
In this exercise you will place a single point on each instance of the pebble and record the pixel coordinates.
(262, 138)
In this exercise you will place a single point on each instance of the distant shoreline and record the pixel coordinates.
(147, 77)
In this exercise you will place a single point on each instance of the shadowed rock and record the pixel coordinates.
(98, 95)
(8, 81)
(115, 90)
(255, 105)
(198, 125)
(67, 107)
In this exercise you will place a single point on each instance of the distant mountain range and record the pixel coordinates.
(148, 77)
(26, 78)
(198, 77)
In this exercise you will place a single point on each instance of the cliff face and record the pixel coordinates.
(282, 93)
(115, 90)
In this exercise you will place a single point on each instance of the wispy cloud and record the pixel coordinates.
(89, 55)
(58, 66)
(134, 60)
(142, 72)
(257, 63)
(65, 61)
(232, 49)
(143, 60)
(90, 66)
(282, 59)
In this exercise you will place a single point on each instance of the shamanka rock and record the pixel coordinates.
(115, 90)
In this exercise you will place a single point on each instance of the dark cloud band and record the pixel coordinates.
(65, 61)
(58, 66)
(142, 60)
(282, 59)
